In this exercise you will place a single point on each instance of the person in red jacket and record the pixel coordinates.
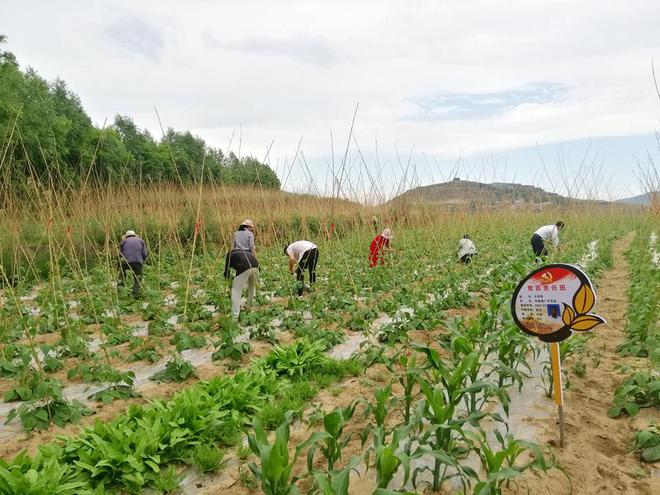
(376, 250)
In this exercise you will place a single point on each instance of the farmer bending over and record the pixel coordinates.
(242, 258)
(466, 249)
(305, 254)
(133, 254)
(543, 235)
(378, 246)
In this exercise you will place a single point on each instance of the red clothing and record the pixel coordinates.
(376, 250)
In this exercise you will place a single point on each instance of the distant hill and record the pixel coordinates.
(642, 199)
(461, 193)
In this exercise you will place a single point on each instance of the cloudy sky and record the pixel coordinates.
(554, 93)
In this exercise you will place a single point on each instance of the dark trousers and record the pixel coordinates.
(538, 246)
(466, 258)
(136, 270)
(308, 262)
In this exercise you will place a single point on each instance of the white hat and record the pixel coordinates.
(387, 234)
(130, 233)
(248, 223)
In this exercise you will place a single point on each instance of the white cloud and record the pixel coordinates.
(290, 69)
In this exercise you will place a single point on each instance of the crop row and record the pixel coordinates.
(641, 389)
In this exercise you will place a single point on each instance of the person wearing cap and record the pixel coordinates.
(243, 259)
(133, 252)
(466, 249)
(543, 235)
(303, 255)
(378, 246)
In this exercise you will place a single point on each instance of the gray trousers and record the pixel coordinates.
(249, 279)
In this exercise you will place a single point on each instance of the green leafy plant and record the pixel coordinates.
(97, 373)
(296, 360)
(264, 333)
(168, 481)
(647, 443)
(44, 475)
(118, 391)
(47, 406)
(231, 349)
(183, 340)
(177, 369)
(147, 349)
(640, 390)
(28, 385)
(206, 458)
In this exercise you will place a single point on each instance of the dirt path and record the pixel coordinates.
(596, 456)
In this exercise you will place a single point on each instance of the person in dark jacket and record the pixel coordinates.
(133, 253)
(242, 259)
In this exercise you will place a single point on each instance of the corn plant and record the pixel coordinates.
(332, 439)
(275, 463)
(381, 406)
(335, 482)
(407, 378)
(500, 462)
(389, 454)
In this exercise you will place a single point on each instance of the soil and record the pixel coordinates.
(597, 456)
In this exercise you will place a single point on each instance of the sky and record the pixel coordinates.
(558, 94)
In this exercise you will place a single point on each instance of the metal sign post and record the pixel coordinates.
(557, 387)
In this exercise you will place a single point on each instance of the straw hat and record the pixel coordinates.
(387, 234)
(248, 223)
(130, 233)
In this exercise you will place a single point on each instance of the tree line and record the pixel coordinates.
(46, 135)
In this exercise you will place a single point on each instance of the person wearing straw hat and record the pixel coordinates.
(243, 259)
(305, 255)
(244, 237)
(466, 249)
(133, 253)
(378, 246)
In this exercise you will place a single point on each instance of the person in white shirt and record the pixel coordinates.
(305, 255)
(547, 233)
(466, 249)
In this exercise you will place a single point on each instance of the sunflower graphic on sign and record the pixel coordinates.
(553, 301)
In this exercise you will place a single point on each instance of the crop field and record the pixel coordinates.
(410, 377)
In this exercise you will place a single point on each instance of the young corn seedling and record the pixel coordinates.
(389, 455)
(500, 464)
(407, 378)
(332, 439)
(336, 482)
(275, 464)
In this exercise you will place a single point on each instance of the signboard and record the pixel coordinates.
(553, 301)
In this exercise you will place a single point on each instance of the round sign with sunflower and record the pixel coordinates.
(553, 301)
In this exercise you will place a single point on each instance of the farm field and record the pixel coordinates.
(408, 377)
